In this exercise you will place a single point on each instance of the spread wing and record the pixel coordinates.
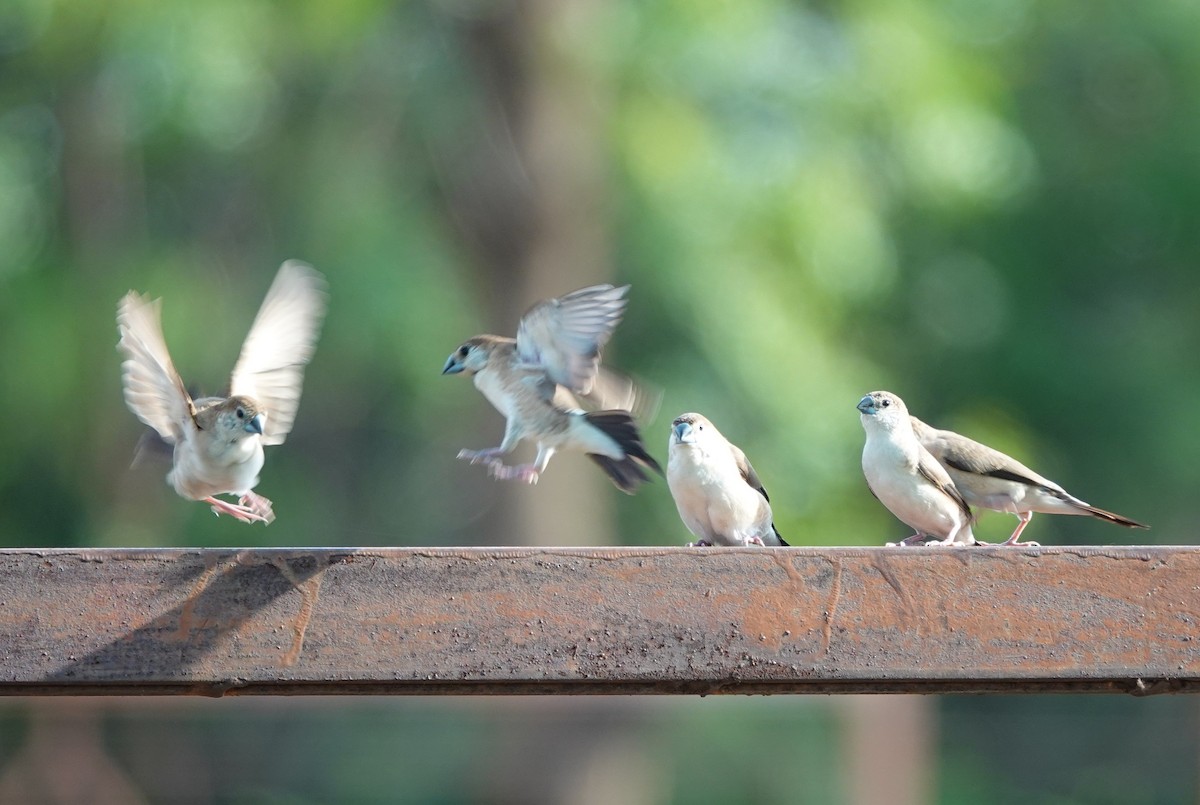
(153, 389)
(281, 341)
(565, 335)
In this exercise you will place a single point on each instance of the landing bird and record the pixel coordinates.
(218, 441)
(906, 478)
(716, 490)
(535, 379)
(990, 479)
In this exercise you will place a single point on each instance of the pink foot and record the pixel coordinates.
(489, 455)
(525, 473)
(907, 541)
(243, 513)
(259, 505)
(754, 541)
(1016, 543)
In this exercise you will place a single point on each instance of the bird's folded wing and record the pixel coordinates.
(281, 341)
(933, 472)
(747, 470)
(969, 456)
(565, 335)
(153, 389)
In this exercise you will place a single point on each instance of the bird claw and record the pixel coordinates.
(906, 542)
(259, 510)
(490, 455)
(1018, 544)
(754, 541)
(525, 473)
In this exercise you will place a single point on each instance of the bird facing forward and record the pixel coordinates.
(534, 381)
(218, 441)
(990, 479)
(716, 490)
(906, 478)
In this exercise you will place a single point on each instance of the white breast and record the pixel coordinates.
(714, 500)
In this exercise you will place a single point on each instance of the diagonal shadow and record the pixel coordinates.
(178, 647)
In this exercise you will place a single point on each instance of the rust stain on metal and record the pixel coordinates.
(187, 613)
(831, 611)
(882, 565)
(562, 620)
(309, 590)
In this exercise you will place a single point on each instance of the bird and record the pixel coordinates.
(718, 493)
(537, 380)
(990, 479)
(218, 441)
(907, 479)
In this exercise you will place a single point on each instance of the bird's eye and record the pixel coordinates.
(241, 413)
(463, 350)
(700, 427)
(886, 402)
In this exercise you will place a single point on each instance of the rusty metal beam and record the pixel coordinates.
(621, 620)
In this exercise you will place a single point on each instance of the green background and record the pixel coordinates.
(985, 206)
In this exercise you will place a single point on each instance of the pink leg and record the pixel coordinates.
(243, 513)
(913, 540)
(259, 505)
(489, 455)
(525, 473)
(1024, 517)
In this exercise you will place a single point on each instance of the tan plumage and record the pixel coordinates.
(990, 479)
(535, 379)
(218, 442)
(906, 478)
(716, 490)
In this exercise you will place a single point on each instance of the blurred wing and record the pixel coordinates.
(612, 389)
(564, 335)
(282, 340)
(153, 389)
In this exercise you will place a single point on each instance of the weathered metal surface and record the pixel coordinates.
(536, 621)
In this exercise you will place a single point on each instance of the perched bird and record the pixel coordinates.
(906, 478)
(218, 441)
(535, 380)
(717, 492)
(992, 480)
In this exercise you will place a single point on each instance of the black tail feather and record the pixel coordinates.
(627, 473)
(779, 537)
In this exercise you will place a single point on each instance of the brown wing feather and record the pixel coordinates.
(928, 468)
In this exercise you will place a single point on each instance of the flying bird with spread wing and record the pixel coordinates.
(990, 479)
(718, 493)
(218, 441)
(537, 380)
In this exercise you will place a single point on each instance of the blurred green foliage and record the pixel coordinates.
(982, 205)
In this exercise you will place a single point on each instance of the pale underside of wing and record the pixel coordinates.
(282, 340)
(565, 335)
(153, 389)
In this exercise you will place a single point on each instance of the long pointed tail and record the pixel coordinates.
(1112, 518)
(626, 473)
